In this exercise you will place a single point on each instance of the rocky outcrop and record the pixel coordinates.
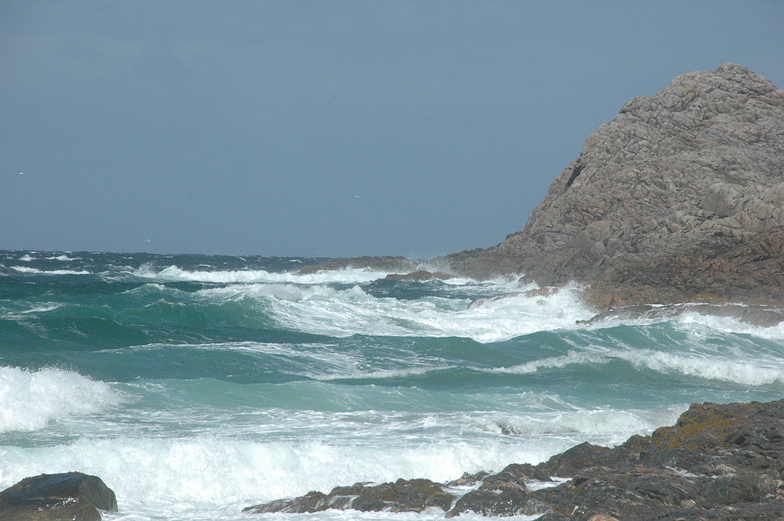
(718, 462)
(698, 165)
(72, 496)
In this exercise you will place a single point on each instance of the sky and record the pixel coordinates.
(325, 128)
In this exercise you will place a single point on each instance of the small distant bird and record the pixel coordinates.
(148, 240)
(356, 197)
(21, 173)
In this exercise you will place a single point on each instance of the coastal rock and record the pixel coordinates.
(699, 164)
(718, 462)
(413, 495)
(748, 268)
(71, 496)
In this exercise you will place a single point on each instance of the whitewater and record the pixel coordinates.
(195, 385)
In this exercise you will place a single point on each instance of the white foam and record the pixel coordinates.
(691, 317)
(43, 308)
(695, 364)
(733, 325)
(388, 373)
(346, 312)
(747, 373)
(311, 304)
(29, 400)
(218, 471)
(27, 269)
(208, 472)
(174, 273)
(571, 358)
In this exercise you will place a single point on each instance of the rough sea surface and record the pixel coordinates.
(197, 385)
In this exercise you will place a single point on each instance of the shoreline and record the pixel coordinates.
(719, 461)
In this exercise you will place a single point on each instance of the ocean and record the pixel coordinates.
(196, 385)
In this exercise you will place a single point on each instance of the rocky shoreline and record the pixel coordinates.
(718, 462)
(679, 199)
(722, 462)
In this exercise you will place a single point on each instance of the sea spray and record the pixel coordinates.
(32, 399)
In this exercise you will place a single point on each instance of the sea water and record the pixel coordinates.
(195, 386)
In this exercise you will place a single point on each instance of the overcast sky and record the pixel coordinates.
(325, 128)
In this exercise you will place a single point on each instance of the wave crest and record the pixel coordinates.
(31, 399)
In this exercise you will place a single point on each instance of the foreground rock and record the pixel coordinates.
(57, 497)
(718, 462)
(413, 495)
(699, 165)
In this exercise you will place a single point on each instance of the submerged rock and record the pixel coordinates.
(718, 462)
(72, 496)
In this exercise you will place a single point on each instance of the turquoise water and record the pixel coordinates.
(198, 385)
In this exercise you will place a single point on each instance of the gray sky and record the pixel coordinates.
(325, 128)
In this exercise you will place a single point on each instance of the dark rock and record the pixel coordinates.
(57, 497)
(413, 495)
(508, 501)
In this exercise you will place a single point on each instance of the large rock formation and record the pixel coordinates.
(71, 496)
(698, 165)
(719, 462)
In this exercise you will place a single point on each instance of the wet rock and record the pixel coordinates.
(413, 495)
(502, 494)
(504, 502)
(72, 496)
